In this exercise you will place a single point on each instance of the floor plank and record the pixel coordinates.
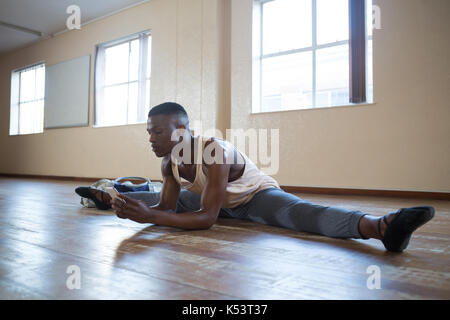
(44, 230)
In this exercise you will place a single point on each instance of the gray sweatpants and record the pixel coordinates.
(276, 208)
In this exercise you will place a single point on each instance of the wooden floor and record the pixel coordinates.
(44, 230)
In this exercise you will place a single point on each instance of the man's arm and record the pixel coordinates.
(170, 190)
(212, 199)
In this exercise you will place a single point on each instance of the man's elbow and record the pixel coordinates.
(205, 225)
(208, 221)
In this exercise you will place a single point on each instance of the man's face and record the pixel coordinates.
(160, 129)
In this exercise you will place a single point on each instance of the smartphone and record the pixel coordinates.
(112, 191)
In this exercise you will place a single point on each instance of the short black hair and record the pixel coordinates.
(168, 108)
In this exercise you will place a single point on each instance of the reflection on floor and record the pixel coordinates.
(46, 236)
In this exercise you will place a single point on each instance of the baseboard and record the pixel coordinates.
(370, 192)
(290, 189)
(46, 177)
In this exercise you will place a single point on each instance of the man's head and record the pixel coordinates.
(163, 120)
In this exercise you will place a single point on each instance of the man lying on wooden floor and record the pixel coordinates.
(226, 183)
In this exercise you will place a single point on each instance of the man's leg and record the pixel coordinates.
(278, 208)
(150, 198)
(102, 199)
(189, 201)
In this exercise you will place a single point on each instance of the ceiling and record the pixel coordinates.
(48, 17)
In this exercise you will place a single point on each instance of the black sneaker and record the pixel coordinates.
(398, 231)
(101, 199)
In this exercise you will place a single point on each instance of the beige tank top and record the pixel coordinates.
(238, 192)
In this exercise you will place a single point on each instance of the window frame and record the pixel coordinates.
(99, 80)
(15, 98)
(258, 12)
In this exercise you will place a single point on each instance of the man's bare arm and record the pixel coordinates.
(212, 198)
(170, 190)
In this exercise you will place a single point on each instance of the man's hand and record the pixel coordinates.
(136, 210)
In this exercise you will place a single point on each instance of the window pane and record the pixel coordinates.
(133, 103)
(27, 85)
(25, 120)
(14, 109)
(40, 83)
(369, 14)
(286, 25)
(332, 21)
(134, 60)
(116, 64)
(332, 74)
(38, 116)
(31, 117)
(149, 57)
(287, 82)
(370, 71)
(27, 108)
(147, 99)
(14, 119)
(122, 100)
(116, 100)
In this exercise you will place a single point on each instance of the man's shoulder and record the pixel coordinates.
(217, 142)
(227, 149)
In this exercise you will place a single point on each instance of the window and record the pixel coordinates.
(302, 54)
(27, 100)
(122, 80)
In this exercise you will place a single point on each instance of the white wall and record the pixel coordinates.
(202, 59)
(186, 37)
(399, 143)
